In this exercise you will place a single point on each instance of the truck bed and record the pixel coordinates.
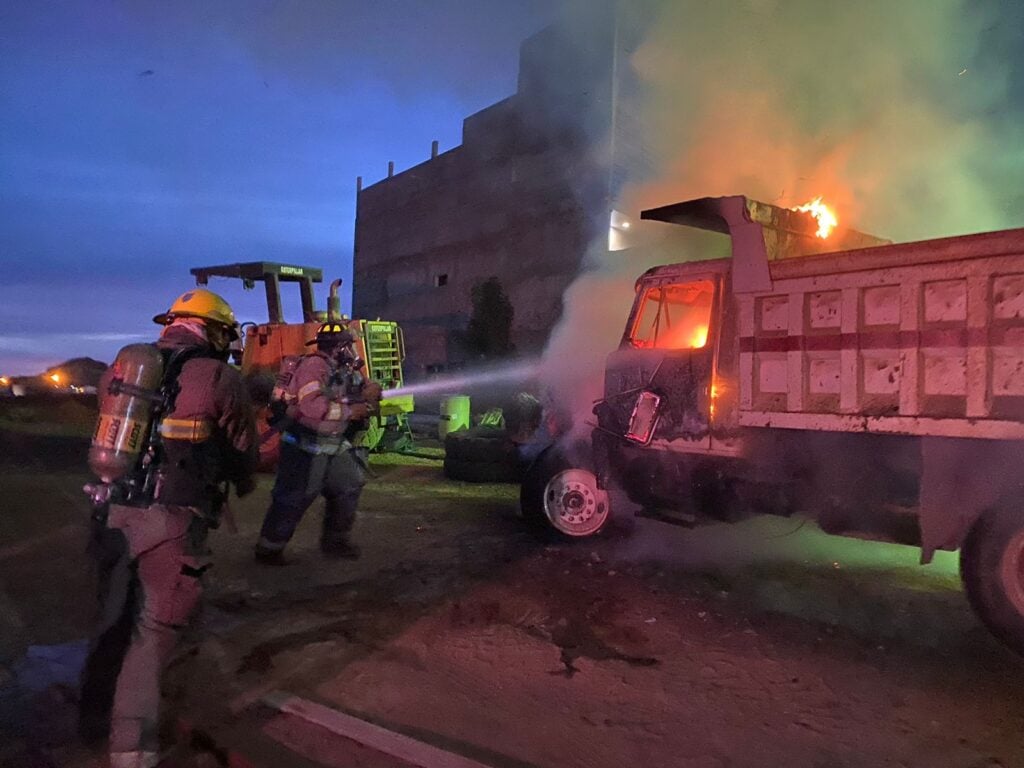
(921, 338)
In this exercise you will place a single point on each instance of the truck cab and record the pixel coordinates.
(671, 349)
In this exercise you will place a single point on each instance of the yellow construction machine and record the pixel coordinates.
(264, 345)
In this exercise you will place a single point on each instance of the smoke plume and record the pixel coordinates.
(886, 109)
(896, 113)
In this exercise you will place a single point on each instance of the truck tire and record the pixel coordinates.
(481, 455)
(992, 569)
(564, 497)
(490, 445)
(480, 471)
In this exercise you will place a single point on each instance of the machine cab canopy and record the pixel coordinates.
(271, 275)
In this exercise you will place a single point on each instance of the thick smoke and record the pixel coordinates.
(884, 108)
(892, 111)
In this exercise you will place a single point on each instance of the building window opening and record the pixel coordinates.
(674, 316)
(440, 280)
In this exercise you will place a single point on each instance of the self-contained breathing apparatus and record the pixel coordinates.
(347, 380)
(127, 447)
(350, 382)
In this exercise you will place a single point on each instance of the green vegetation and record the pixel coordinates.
(489, 335)
(63, 416)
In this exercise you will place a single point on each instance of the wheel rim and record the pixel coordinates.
(574, 504)
(1011, 571)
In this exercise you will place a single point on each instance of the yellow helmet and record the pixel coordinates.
(199, 303)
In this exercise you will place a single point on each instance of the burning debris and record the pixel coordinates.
(830, 99)
(824, 215)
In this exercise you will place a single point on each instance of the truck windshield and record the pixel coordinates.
(674, 316)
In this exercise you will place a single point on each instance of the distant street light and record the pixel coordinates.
(55, 378)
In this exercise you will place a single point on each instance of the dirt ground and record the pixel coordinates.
(761, 644)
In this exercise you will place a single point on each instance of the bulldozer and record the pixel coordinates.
(264, 345)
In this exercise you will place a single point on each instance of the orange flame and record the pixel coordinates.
(824, 215)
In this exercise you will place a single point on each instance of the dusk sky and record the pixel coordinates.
(142, 138)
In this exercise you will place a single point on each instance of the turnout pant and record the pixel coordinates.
(151, 587)
(301, 478)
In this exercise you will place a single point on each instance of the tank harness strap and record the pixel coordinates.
(191, 430)
(311, 388)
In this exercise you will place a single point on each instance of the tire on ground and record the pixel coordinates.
(480, 471)
(489, 445)
(992, 569)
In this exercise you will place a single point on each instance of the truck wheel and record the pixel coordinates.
(992, 569)
(565, 497)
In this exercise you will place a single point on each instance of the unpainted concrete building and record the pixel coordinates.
(524, 196)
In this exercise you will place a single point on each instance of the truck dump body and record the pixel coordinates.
(922, 339)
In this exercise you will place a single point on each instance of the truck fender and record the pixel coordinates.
(961, 479)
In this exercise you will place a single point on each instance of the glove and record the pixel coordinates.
(358, 412)
(244, 487)
(372, 391)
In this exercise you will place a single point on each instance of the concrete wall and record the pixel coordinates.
(523, 197)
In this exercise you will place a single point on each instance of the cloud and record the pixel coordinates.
(31, 354)
(32, 344)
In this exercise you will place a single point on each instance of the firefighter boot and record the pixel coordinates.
(340, 550)
(269, 556)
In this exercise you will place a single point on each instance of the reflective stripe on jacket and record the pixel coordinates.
(319, 409)
(192, 430)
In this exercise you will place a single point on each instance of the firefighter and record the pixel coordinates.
(152, 551)
(331, 401)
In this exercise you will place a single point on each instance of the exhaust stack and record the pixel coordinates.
(334, 303)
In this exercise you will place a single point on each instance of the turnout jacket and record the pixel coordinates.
(319, 410)
(209, 435)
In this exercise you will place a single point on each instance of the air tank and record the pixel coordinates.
(127, 396)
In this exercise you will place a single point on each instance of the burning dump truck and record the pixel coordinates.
(876, 388)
